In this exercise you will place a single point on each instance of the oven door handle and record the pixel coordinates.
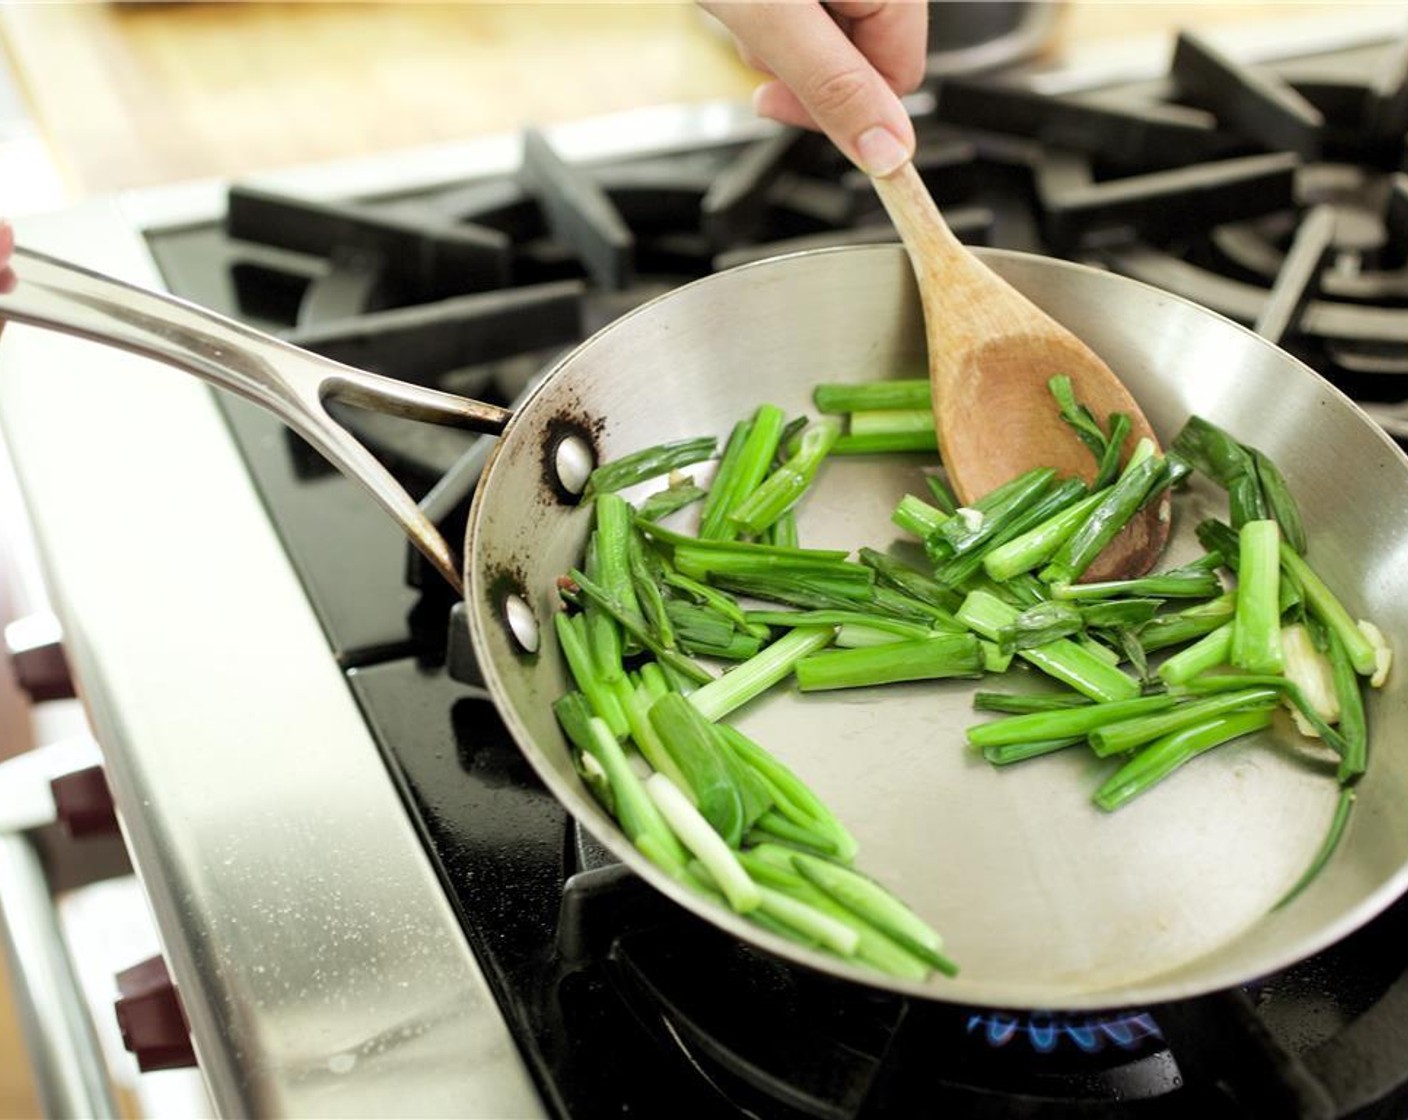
(66, 1059)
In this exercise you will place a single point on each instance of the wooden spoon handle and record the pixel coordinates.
(933, 248)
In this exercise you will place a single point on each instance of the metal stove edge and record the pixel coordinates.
(321, 968)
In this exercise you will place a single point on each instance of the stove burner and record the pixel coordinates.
(1044, 1033)
(1273, 194)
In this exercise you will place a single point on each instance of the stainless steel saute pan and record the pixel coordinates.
(1045, 901)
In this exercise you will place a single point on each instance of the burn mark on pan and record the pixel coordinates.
(559, 432)
(505, 586)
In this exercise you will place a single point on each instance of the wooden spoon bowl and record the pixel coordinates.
(991, 354)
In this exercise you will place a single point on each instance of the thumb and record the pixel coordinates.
(7, 246)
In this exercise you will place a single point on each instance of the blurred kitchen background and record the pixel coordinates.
(106, 97)
(97, 98)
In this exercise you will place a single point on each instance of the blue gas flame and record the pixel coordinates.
(1044, 1033)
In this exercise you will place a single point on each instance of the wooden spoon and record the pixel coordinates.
(991, 353)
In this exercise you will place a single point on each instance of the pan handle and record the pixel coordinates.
(292, 383)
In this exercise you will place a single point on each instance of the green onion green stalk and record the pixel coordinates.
(1165, 755)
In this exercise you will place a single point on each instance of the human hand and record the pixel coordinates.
(838, 67)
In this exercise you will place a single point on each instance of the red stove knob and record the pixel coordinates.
(149, 1015)
(83, 803)
(37, 655)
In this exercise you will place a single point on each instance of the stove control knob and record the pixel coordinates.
(83, 804)
(37, 655)
(149, 1015)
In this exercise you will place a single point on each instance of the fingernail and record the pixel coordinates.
(880, 151)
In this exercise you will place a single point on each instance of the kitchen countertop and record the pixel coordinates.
(131, 95)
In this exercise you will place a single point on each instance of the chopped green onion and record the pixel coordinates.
(877, 907)
(783, 532)
(911, 582)
(1184, 583)
(603, 632)
(635, 625)
(1329, 610)
(820, 927)
(704, 563)
(962, 533)
(939, 490)
(1186, 625)
(907, 393)
(636, 702)
(774, 825)
(658, 853)
(1310, 671)
(1165, 755)
(1353, 729)
(574, 715)
(1062, 659)
(1065, 722)
(1256, 632)
(1037, 545)
(915, 515)
(1104, 522)
(792, 798)
(677, 541)
(960, 569)
(897, 627)
(1107, 469)
(1213, 452)
(784, 487)
(647, 573)
(1077, 415)
(691, 742)
(1125, 735)
(1124, 614)
(772, 865)
(812, 592)
(1040, 624)
(670, 500)
(754, 461)
(634, 809)
(1280, 503)
(932, 658)
(1208, 652)
(695, 834)
(1227, 682)
(572, 640)
(1020, 703)
(700, 625)
(1327, 847)
(718, 600)
(892, 421)
(759, 673)
(648, 463)
(714, 512)
(1009, 753)
(883, 443)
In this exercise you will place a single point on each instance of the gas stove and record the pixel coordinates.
(368, 901)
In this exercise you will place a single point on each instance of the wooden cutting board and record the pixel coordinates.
(136, 94)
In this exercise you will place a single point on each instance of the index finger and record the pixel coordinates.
(893, 36)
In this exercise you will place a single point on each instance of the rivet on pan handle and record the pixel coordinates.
(293, 384)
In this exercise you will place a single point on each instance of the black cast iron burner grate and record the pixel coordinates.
(1277, 199)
